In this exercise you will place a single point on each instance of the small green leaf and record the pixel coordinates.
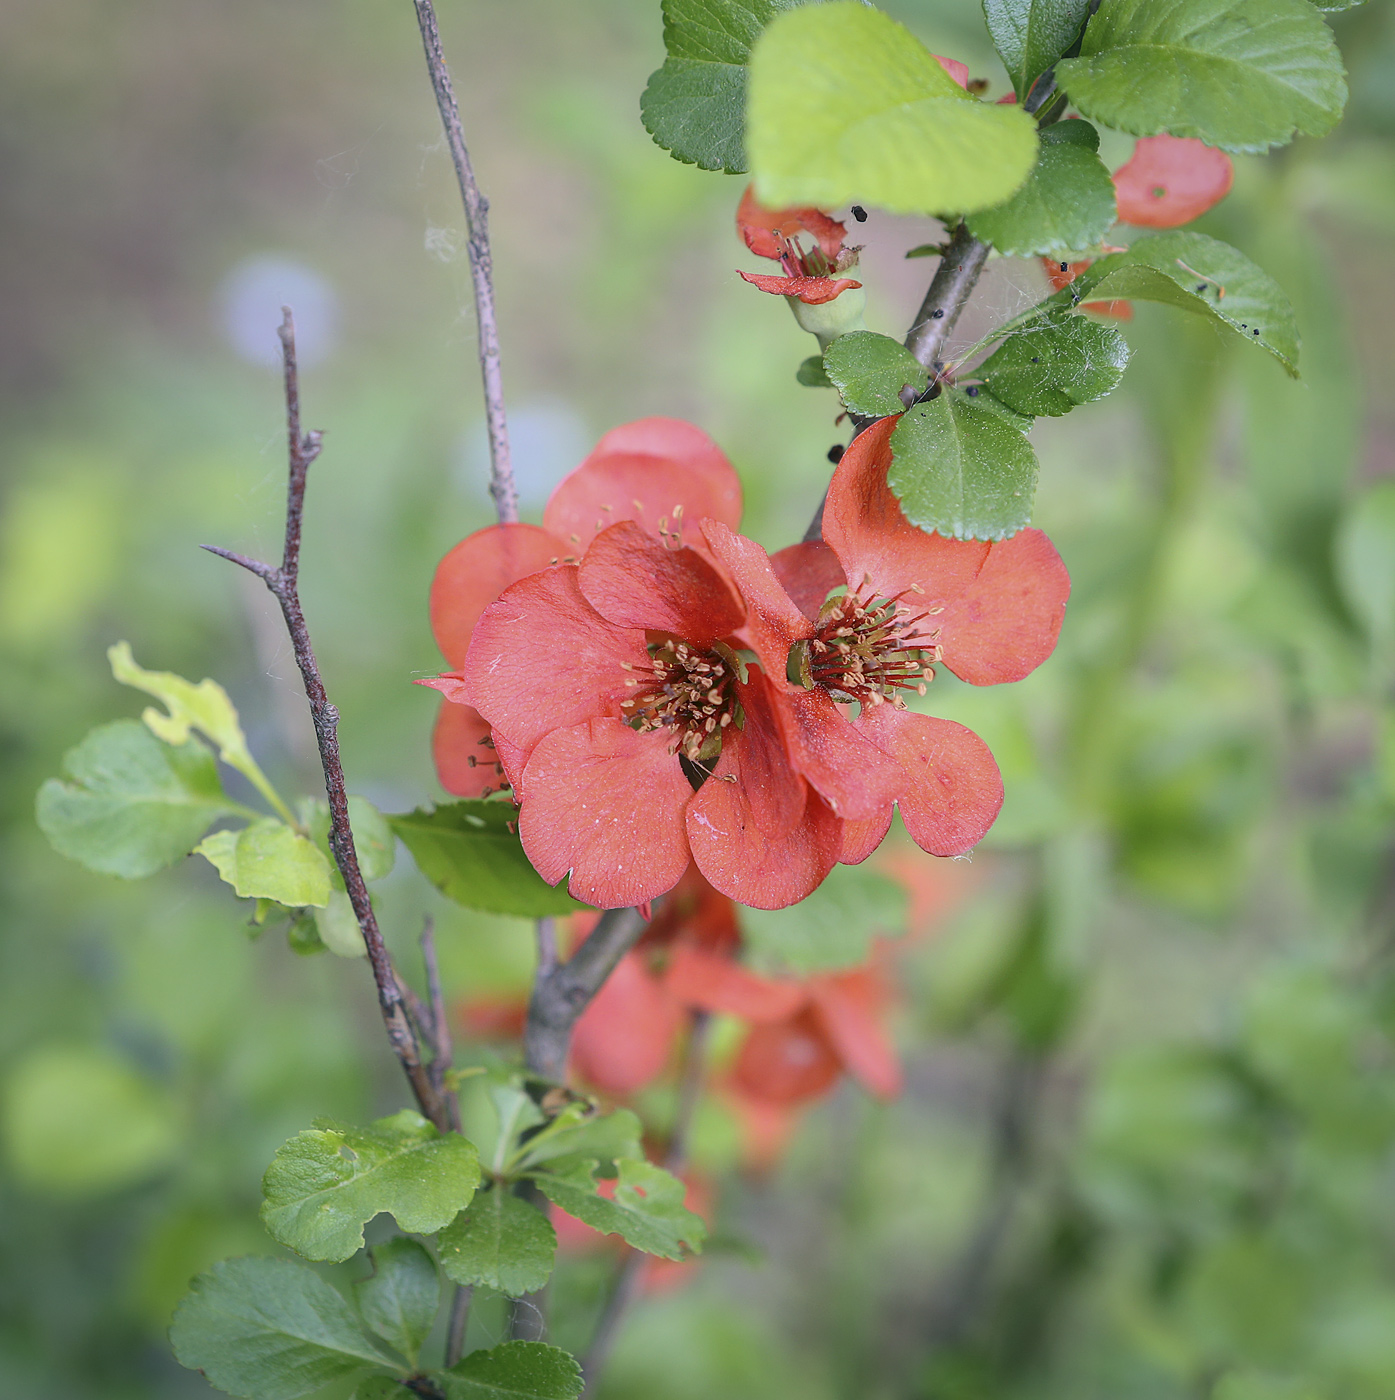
(374, 842)
(1365, 558)
(1198, 274)
(1052, 365)
(833, 927)
(132, 804)
(337, 927)
(694, 106)
(811, 373)
(514, 1371)
(328, 1182)
(268, 860)
(1243, 75)
(269, 1329)
(962, 467)
(78, 1121)
(471, 852)
(1030, 35)
(580, 1132)
(400, 1299)
(204, 707)
(499, 1242)
(647, 1210)
(846, 103)
(870, 370)
(1067, 202)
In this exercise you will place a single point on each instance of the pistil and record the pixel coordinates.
(871, 649)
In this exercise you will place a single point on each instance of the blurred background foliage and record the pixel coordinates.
(1146, 1144)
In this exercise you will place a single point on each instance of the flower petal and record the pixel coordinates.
(607, 804)
(998, 606)
(850, 1007)
(956, 70)
(624, 1038)
(953, 789)
(808, 572)
(476, 572)
(542, 658)
(760, 226)
(1171, 180)
(861, 838)
(710, 982)
(788, 1062)
(812, 291)
(756, 756)
(513, 760)
(635, 580)
(466, 763)
(654, 470)
(773, 620)
(451, 684)
(738, 858)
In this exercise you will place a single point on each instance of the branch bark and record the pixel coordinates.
(501, 483)
(283, 583)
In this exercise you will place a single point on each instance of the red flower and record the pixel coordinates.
(613, 691)
(1063, 274)
(1171, 180)
(644, 471)
(810, 276)
(989, 612)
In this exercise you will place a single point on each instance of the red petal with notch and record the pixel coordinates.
(953, 790)
(850, 1007)
(543, 658)
(808, 572)
(466, 762)
(1000, 605)
(788, 1062)
(476, 572)
(624, 1038)
(773, 621)
(812, 291)
(740, 859)
(653, 470)
(710, 982)
(759, 227)
(607, 804)
(861, 838)
(451, 684)
(1171, 180)
(956, 70)
(513, 761)
(635, 580)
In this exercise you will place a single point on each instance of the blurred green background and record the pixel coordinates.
(1146, 1144)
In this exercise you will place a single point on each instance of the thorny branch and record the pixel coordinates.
(501, 484)
(282, 581)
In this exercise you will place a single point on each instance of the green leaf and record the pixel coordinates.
(374, 842)
(962, 467)
(578, 1131)
(1365, 557)
(847, 103)
(514, 1371)
(647, 1210)
(1198, 274)
(833, 927)
(471, 852)
(500, 1242)
(694, 106)
(1054, 364)
(268, 860)
(1243, 75)
(380, 1388)
(811, 373)
(400, 1299)
(204, 707)
(1067, 202)
(131, 804)
(269, 1329)
(870, 370)
(328, 1182)
(1030, 35)
(79, 1121)
(337, 927)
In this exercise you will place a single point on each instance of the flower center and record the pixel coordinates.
(870, 649)
(687, 690)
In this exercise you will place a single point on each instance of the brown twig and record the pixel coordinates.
(627, 1278)
(282, 581)
(947, 295)
(501, 484)
(563, 993)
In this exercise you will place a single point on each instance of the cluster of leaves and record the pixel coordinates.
(833, 102)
